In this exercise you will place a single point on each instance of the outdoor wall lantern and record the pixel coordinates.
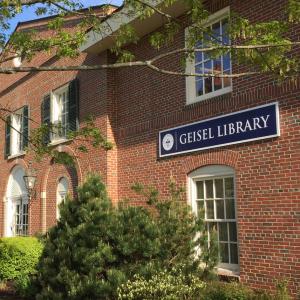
(30, 180)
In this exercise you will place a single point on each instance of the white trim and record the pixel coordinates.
(56, 111)
(58, 142)
(190, 82)
(11, 198)
(16, 132)
(212, 171)
(111, 25)
(16, 155)
(213, 94)
(17, 61)
(61, 193)
(215, 172)
(230, 143)
(217, 16)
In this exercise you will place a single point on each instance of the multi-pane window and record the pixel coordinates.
(199, 88)
(216, 197)
(62, 191)
(21, 218)
(212, 192)
(59, 111)
(60, 114)
(16, 132)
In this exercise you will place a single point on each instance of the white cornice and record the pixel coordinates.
(97, 42)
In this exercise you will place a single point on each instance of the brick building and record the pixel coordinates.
(246, 175)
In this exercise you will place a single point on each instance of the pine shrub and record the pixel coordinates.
(95, 247)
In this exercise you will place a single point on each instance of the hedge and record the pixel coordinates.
(18, 257)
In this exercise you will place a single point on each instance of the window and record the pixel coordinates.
(213, 190)
(59, 111)
(16, 132)
(200, 88)
(21, 218)
(62, 191)
(16, 208)
(17, 61)
(59, 115)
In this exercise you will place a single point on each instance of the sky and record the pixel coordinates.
(28, 13)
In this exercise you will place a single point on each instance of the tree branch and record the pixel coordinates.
(25, 2)
(149, 63)
(70, 68)
(157, 10)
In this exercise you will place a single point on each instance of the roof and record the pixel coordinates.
(96, 7)
(43, 19)
(99, 41)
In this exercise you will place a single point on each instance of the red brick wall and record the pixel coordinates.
(132, 105)
(267, 171)
(20, 89)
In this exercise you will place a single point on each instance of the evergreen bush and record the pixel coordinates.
(95, 247)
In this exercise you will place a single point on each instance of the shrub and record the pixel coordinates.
(227, 291)
(176, 285)
(18, 260)
(165, 285)
(18, 257)
(282, 292)
(237, 291)
(179, 233)
(95, 247)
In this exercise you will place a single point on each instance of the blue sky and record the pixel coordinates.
(28, 13)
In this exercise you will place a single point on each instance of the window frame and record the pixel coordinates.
(16, 146)
(16, 133)
(215, 172)
(54, 95)
(61, 196)
(21, 227)
(190, 83)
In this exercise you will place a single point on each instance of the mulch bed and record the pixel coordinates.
(7, 292)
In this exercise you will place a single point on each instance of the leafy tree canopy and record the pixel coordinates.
(266, 45)
(262, 47)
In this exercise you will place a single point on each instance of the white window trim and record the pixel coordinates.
(53, 98)
(16, 134)
(22, 200)
(61, 196)
(190, 66)
(207, 172)
(21, 153)
(17, 61)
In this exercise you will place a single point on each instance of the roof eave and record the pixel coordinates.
(97, 42)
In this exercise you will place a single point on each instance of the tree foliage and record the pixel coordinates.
(277, 59)
(87, 135)
(265, 47)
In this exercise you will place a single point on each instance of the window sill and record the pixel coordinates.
(58, 142)
(16, 155)
(218, 93)
(228, 273)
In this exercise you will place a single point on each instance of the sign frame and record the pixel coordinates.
(277, 134)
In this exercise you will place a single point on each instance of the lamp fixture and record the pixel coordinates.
(30, 180)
